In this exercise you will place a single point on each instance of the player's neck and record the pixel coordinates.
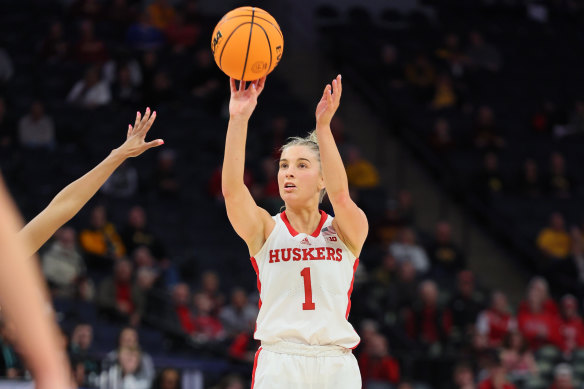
(303, 220)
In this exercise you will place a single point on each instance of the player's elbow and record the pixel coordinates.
(340, 199)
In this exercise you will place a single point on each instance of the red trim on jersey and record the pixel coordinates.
(259, 283)
(255, 365)
(293, 232)
(351, 288)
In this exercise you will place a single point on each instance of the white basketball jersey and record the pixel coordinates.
(305, 284)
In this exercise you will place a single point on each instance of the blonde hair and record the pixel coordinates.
(310, 141)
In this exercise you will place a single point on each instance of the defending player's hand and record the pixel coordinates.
(135, 143)
(244, 100)
(328, 104)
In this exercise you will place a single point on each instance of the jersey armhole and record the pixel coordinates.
(268, 240)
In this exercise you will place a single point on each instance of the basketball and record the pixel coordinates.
(247, 43)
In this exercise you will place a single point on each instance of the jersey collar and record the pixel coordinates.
(293, 232)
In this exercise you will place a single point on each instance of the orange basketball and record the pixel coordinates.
(247, 43)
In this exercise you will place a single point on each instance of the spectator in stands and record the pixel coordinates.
(463, 376)
(119, 297)
(161, 13)
(377, 366)
(483, 55)
(441, 139)
(530, 184)
(445, 96)
(496, 321)
(181, 316)
(160, 91)
(100, 241)
(405, 249)
(560, 183)
(55, 47)
(239, 316)
(451, 53)
(64, 266)
(232, 381)
(386, 273)
(421, 75)
(36, 130)
(210, 288)
(390, 68)
(181, 34)
(205, 81)
(120, 14)
(81, 348)
(361, 173)
(123, 60)
(166, 182)
(127, 372)
(497, 375)
(554, 241)
(137, 234)
(89, 49)
(143, 35)
(490, 181)
(405, 207)
(577, 255)
(128, 339)
(563, 377)
(214, 184)
(571, 326)
(540, 287)
(403, 293)
(123, 183)
(538, 326)
(6, 67)
(123, 89)
(91, 92)
(168, 378)
(445, 256)
(464, 307)
(426, 322)
(208, 328)
(268, 191)
(517, 358)
(486, 132)
(10, 364)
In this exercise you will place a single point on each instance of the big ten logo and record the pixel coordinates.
(216, 40)
(332, 238)
(278, 53)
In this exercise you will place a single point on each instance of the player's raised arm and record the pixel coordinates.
(351, 222)
(249, 221)
(69, 201)
(22, 297)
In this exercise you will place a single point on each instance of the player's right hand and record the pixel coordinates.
(244, 100)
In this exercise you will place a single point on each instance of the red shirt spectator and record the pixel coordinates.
(538, 326)
(207, 326)
(376, 364)
(180, 299)
(496, 321)
(428, 323)
(89, 49)
(571, 325)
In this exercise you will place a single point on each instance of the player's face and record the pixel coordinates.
(299, 176)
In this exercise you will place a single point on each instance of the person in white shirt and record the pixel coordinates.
(406, 250)
(36, 130)
(90, 92)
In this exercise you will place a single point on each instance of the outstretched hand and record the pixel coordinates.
(244, 100)
(135, 143)
(328, 104)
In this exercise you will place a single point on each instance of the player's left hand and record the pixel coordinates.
(328, 104)
(135, 143)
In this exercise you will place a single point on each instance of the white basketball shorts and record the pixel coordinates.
(285, 365)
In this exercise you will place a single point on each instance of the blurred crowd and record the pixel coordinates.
(126, 294)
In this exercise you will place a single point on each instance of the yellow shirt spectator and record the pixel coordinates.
(362, 174)
(102, 242)
(161, 14)
(555, 243)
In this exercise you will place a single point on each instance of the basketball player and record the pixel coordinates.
(69, 201)
(304, 259)
(21, 283)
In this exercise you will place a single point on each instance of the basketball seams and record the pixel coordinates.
(227, 40)
(276, 26)
(248, 44)
(269, 47)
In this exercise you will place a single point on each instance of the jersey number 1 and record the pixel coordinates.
(308, 304)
